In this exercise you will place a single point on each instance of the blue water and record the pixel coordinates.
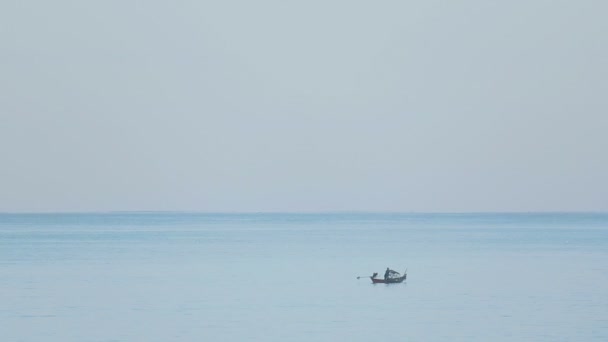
(293, 277)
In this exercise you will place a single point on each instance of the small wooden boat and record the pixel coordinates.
(394, 280)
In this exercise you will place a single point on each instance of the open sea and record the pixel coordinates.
(293, 277)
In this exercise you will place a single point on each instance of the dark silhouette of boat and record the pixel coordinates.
(390, 280)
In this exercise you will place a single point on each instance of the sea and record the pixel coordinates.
(181, 276)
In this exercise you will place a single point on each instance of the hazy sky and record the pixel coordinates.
(303, 105)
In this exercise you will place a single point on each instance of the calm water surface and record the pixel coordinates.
(293, 277)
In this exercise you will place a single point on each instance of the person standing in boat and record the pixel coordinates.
(387, 273)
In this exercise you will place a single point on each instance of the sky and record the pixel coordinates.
(333, 105)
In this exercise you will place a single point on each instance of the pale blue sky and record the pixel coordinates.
(303, 106)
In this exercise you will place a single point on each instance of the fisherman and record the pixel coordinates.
(387, 273)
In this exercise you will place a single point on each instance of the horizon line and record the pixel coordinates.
(304, 212)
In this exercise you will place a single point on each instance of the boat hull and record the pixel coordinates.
(388, 281)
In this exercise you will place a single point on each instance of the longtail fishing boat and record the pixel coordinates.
(393, 278)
